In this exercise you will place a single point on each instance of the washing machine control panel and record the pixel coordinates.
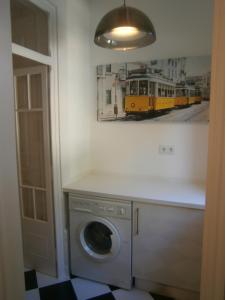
(119, 209)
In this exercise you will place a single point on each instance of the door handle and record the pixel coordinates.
(82, 210)
(136, 231)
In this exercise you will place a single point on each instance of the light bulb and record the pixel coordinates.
(124, 33)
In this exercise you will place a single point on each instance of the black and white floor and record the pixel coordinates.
(43, 287)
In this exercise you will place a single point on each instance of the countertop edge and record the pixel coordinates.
(136, 199)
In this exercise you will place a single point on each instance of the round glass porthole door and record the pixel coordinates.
(100, 239)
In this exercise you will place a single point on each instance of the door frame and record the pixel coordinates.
(11, 260)
(52, 62)
(213, 261)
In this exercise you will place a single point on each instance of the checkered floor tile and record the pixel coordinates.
(43, 287)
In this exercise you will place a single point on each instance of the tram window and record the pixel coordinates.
(134, 87)
(159, 92)
(166, 92)
(179, 93)
(152, 87)
(143, 87)
(108, 97)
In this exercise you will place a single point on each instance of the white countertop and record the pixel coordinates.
(174, 192)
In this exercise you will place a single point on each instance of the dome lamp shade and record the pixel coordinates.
(125, 28)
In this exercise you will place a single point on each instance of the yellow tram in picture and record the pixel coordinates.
(149, 94)
(182, 97)
(186, 96)
(196, 96)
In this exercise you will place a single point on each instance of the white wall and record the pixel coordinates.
(11, 262)
(73, 23)
(74, 96)
(183, 29)
(132, 148)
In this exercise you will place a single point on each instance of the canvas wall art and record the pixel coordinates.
(171, 90)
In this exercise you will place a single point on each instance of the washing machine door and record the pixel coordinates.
(99, 239)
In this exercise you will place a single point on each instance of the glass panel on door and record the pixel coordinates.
(31, 148)
(36, 91)
(22, 92)
(41, 205)
(30, 26)
(28, 203)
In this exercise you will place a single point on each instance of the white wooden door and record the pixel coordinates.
(34, 168)
(167, 244)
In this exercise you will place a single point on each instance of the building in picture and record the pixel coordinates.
(111, 89)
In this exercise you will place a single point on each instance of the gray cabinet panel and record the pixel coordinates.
(167, 245)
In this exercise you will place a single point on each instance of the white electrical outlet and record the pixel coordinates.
(171, 149)
(162, 149)
(166, 149)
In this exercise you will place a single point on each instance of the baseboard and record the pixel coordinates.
(164, 290)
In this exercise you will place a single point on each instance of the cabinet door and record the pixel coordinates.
(167, 245)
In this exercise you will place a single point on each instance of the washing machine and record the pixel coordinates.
(100, 239)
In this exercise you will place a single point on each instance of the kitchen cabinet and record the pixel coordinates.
(167, 226)
(167, 245)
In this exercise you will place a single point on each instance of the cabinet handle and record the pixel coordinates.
(137, 221)
(82, 210)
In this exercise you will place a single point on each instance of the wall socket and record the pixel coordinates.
(167, 149)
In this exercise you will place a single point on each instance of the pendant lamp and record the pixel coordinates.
(124, 28)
